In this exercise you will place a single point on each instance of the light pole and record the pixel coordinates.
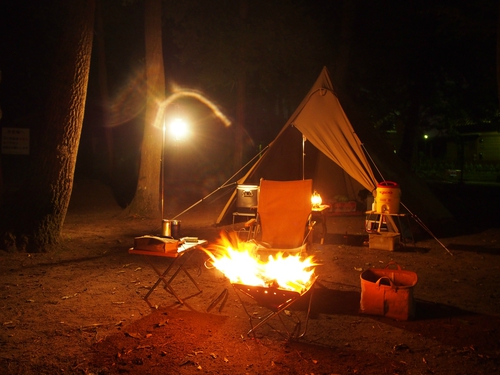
(178, 130)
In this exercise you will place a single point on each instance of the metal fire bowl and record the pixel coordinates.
(269, 297)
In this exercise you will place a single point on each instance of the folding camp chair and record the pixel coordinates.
(283, 221)
(282, 225)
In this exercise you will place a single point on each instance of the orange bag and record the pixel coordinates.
(388, 292)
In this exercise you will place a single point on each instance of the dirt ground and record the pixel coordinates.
(79, 309)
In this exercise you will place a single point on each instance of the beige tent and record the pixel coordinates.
(319, 142)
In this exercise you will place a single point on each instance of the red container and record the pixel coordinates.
(387, 197)
(388, 292)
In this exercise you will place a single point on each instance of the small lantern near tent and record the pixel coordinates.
(316, 200)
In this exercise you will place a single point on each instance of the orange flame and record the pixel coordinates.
(240, 262)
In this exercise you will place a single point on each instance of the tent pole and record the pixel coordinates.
(162, 172)
(304, 139)
(224, 185)
(204, 198)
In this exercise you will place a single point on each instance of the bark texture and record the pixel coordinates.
(33, 218)
(147, 198)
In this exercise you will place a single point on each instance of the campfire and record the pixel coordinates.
(241, 263)
(275, 282)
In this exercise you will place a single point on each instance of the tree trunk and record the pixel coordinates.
(341, 71)
(241, 97)
(102, 72)
(147, 197)
(498, 52)
(34, 217)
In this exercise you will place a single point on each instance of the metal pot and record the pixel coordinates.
(171, 228)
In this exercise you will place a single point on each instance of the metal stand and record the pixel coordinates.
(276, 301)
(378, 218)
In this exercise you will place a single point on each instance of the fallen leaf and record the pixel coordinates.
(400, 347)
(134, 335)
(188, 361)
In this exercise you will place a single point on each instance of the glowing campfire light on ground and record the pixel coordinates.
(240, 263)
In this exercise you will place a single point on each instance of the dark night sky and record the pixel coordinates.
(443, 51)
(391, 41)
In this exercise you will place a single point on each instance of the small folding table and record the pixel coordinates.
(185, 251)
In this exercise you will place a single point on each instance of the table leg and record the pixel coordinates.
(323, 218)
(178, 264)
(161, 277)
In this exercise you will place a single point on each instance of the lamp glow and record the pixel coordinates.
(178, 129)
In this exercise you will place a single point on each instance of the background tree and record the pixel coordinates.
(265, 53)
(421, 65)
(147, 198)
(33, 215)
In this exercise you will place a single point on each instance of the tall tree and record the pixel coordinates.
(241, 94)
(33, 217)
(147, 198)
(498, 52)
(103, 85)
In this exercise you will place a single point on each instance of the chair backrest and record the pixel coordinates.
(284, 208)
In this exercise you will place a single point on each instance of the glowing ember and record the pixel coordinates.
(240, 263)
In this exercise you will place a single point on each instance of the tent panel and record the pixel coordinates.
(322, 120)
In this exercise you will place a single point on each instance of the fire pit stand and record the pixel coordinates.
(277, 301)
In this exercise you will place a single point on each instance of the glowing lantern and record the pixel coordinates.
(316, 200)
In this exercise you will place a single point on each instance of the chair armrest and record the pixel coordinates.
(251, 223)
